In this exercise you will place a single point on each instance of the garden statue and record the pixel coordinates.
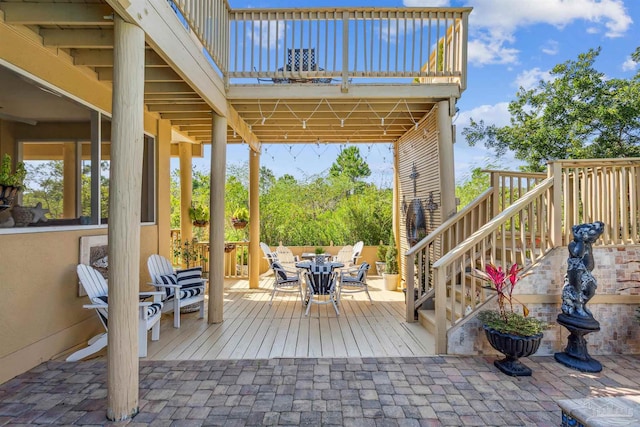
(579, 284)
(579, 287)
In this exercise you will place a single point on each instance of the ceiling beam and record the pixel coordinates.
(77, 38)
(178, 108)
(430, 93)
(152, 74)
(104, 58)
(167, 87)
(41, 13)
(188, 116)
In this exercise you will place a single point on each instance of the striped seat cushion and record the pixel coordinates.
(152, 310)
(168, 279)
(189, 292)
(190, 277)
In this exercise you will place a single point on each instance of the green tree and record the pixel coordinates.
(578, 113)
(350, 164)
(44, 184)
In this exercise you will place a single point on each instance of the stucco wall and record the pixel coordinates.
(42, 314)
(615, 268)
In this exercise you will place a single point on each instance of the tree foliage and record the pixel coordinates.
(578, 113)
(350, 164)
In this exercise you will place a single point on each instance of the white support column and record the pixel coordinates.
(216, 225)
(254, 219)
(70, 180)
(127, 129)
(163, 214)
(96, 158)
(445, 150)
(186, 189)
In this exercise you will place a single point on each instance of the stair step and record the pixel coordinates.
(427, 318)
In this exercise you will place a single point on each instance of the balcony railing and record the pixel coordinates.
(284, 45)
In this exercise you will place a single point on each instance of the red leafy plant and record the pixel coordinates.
(505, 319)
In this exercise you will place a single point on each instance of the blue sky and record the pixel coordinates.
(512, 43)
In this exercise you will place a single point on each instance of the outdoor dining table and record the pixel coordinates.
(321, 280)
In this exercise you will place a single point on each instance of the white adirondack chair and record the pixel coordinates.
(286, 257)
(96, 287)
(175, 296)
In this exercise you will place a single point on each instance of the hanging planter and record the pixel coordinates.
(240, 218)
(229, 247)
(200, 223)
(238, 224)
(199, 215)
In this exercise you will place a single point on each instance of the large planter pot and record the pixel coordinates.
(390, 281)
(513, 347)
(381, 267)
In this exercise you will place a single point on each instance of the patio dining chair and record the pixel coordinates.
(321, 281)
(354, 280)
(95, 286)
(357, 252)
(286, 280)
(286, 257)
(181, 288)
(345, 256)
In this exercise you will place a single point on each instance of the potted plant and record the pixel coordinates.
(391, 270)
(319, 255)
(240, 218)
(189, 252)
(513, 334)
(381, 264)
(10, 182)
(199, 215)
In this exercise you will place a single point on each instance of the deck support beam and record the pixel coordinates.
(124, 221)
(254, 219)
(216, 209)
(186, 189)
(445, 151)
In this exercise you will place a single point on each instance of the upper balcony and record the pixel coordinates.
(332, 45)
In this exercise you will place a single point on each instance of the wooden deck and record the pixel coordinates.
(253, 329)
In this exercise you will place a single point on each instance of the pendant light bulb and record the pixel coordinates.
(264, 119)
(304, 124)
(382, 121)
(341, 123)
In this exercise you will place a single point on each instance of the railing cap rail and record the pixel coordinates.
(434, 234)
(516, 173)
(489, 226)
(624, 161)
(249, 11)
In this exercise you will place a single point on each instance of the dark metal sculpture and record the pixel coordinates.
(579, 287)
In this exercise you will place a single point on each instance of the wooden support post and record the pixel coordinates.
(395, 219)
(163, 178)
(216, 208)
(70, 180)
(186, 189)
(555, 209)
(124, 220)
(254, 219)
(445, 150)
(96, 158)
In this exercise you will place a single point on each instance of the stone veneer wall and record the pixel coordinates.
(615, 268)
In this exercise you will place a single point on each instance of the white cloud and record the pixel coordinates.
(530, 78)
(629, 64)
(550, 47)
(493, 23)
(467, 158)
(271, 32)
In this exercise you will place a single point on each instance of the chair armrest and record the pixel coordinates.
(157, 295)
(162, 285)
(95, 306)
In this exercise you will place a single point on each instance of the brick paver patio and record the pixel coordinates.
(430, 391)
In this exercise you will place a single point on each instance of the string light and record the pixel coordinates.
(234, 133)
(384, 131)
(304, 124)
(382, 121)
(341, 123)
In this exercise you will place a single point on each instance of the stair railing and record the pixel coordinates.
(519, 234)
(505, 188)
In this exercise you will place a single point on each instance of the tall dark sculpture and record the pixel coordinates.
(579, 287)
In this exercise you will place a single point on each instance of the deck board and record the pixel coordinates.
(254, 329)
